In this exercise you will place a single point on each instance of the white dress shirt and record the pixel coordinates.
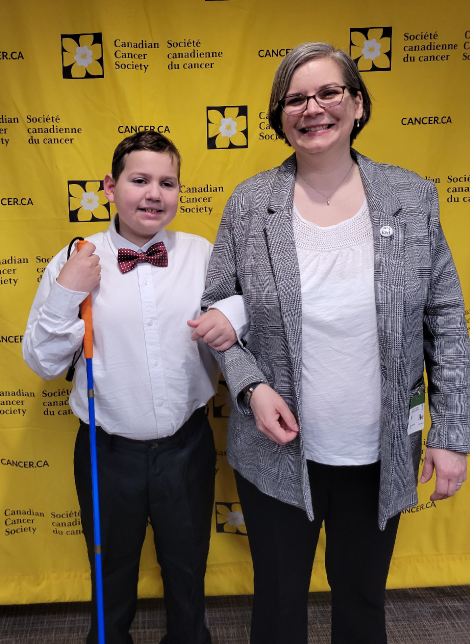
(149, 376)
(340, 348)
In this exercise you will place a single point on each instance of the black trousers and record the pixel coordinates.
(170, 480)
(283, 543)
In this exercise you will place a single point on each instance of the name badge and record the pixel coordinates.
(416, 417)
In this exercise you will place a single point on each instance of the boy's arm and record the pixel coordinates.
(225, 323)
(235, 311)
(54, 331)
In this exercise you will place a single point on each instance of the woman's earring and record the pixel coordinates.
(358, 123)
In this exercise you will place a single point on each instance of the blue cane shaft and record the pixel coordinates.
(96, 502)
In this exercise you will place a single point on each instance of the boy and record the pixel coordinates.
(156, 453)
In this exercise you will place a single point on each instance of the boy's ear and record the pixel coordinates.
(109, 184)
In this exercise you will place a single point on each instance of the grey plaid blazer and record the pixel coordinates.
(420, 318)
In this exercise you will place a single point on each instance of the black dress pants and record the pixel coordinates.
(283, 543)
(170, 480)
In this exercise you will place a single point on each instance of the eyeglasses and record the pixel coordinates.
(325, 98)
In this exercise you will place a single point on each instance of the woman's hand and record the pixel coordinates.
(451, 469)
(215, 329)
(82, 272)
(273, 417)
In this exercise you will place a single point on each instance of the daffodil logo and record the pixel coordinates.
(227, 127)
(82, 56)
(87, 202)
(229, 518)
(371, 48)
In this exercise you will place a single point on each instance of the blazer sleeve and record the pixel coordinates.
(446, 344)
(238, 365)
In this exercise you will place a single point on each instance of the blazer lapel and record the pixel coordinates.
(281, 247)
(389, 266)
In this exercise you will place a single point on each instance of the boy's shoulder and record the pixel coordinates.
(177, 239)
(98, 238)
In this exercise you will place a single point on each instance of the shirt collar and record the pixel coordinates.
(120, 242)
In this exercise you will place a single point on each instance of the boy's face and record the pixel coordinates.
(146, 194)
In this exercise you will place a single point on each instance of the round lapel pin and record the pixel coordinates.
(386, 231)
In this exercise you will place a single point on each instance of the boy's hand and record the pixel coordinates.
(82, 270)
(215, 329)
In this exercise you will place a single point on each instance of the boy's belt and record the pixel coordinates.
(178, 439)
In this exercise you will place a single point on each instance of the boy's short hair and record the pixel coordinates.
(147, 140)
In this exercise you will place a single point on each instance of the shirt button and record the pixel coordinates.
(159, 403)
(146, 282)
(155, 363)
(150, 322)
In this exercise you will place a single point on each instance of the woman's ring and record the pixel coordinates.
(460, 484)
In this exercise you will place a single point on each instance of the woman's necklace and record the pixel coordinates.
(334, 191)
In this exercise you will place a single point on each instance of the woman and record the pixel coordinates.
(351, 288)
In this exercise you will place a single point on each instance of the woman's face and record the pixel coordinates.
(318, 130)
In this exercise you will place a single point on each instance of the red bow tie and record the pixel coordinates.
(155, 255)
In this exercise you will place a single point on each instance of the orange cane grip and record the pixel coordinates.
(85, 310)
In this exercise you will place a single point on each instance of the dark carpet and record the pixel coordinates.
(414, 616)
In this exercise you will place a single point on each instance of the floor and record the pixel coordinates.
(414, 616)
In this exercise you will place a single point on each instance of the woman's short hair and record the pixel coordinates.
(311, 51)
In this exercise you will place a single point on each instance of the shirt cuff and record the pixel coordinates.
(63, 302)
(234, 309)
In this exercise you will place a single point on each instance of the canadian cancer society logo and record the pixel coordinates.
(82, 56)
(227, 127)
(229, 518)
(371, 48)
(87, 202)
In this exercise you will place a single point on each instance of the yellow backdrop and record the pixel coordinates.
(79, 76)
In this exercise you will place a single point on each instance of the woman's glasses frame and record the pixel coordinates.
(299, 109)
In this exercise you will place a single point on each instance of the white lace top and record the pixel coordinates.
(340, 352)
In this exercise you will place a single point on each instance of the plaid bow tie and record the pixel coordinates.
(155, 255)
